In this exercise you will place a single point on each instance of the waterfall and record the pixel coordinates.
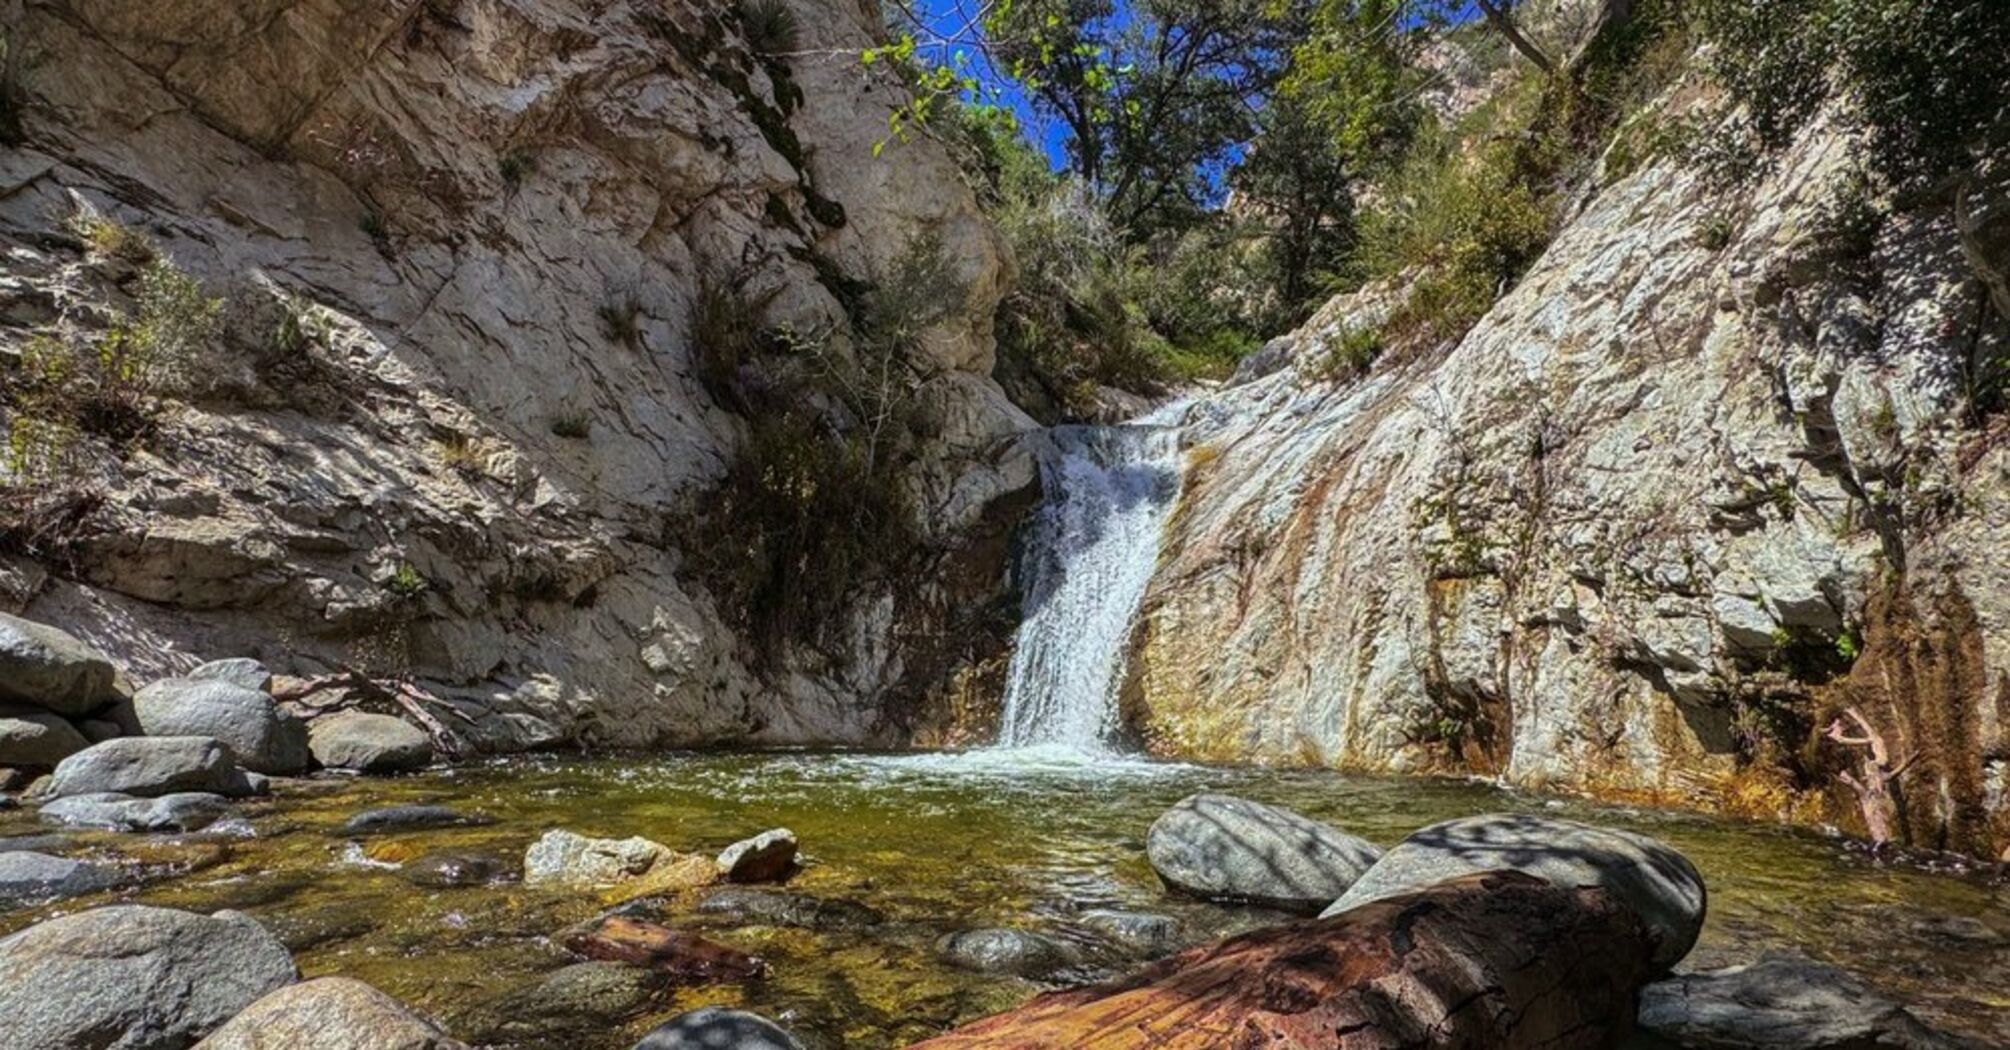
(1087, 561)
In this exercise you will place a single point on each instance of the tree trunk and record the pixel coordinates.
(1504, 24)
(1496, 961)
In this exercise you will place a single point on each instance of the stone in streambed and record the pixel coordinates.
(1145, 933)
(1657, 882)
(578, 1001)
(27, 876)
(181, 811)
(365, 742)
(624, 868)
(1781, 1002)
(329, 1013)
(763, 858)
(1021, 953)
(37, 739)
(447, 870)
(776, 908)
(1223, 848)
(241, 671)
(263, 736)
(130, 977)
(395, 818)
(51, 669)
(716, 1028)
(151, 766)
(685, 958)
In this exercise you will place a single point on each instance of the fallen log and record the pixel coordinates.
(1496, 961)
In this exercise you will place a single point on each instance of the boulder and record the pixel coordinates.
(448, 870)
(51, 669)
(265, 737)
(763, 858)
(630, 867)
(685, 957)
(1223, 848)
(30, 877)
(394, 818)
(1781, 1002)
(130, 977)
(1145, 933)
(328, 1013)
(181, 811)
(99, 730)
(1021, 953)
(241, 671)
(579, 1002)
(151, 766)
(1643, 873)
(368, 743)
(775, 908)
(717, 1028)
(37, 739)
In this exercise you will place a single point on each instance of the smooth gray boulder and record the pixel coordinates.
(763, 858)
(368, 743)
(151, 766)
(717, 1028)
(265, 737)
(130, 977)
(49, 668)
(1223, 848)
(1658, 883)
(241, 671)
(37, 739)
(1781, 1002)
(27, 876)
(329, 1013)
(181, 811)
(1021, 953)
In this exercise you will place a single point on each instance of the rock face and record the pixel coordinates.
(152, 766)
(37, 739)
(1658, 883)
(329, 1013)
(261, 735)
(1220, 847)
(1781, 1002)
(49, 668)
(714, 1028)
(180, 811)
(763, 858)
(134, 978)
(368, 743)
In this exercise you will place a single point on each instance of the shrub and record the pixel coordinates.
(110, 239)
(1351, 354)
(462, 454)
(405, 582)
(515, 166)
(299, 328)
(621, 318)
(769, 25)
(572, 424)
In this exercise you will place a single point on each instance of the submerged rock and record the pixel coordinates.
(1646, 875)
(37, 739)
(368, 743)
(1223, 848)
(28, 876)
(262, 735)
(52, 669)
(130, 977)
(716, 1028)
(241, 671)
(450, 870)
(1781, 1002)
(631, 866)
(329, 1013)
(1021, 953)
(775, 908)
(152, 766)
(393, 818)
(684, 957)
(181, 811)
(763, 858)
(586, 997)
(1145, 933)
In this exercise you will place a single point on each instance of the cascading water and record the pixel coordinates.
(1088, 560)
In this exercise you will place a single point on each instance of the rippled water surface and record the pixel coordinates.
(941, 843)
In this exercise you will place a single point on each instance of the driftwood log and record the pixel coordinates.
(1497, 961)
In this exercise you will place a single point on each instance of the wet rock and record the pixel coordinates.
(134, 978)
(684, 957)
(27, 876)
(151, 766)
(1021, 953)
(452, 870)
(37, 739)
(181, 811)
(34, 843)
(716, 1028)
(395, 818)
(584, 997)
(1648, 876)
(242, 671)
(263, 736)
(775, 908)
(1781, 1002)
(306, 930)
(1145, 933)
(763, 858)
(329, 1013)
(1223, 848)
(633, 866)
(51, 669)
(1959, 929)
(368, 743)
(99, 730)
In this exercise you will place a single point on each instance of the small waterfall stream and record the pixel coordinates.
(1088, 560)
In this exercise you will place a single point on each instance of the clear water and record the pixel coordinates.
(947, 842)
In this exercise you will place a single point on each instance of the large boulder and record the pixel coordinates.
(717, 1028)
(134, 978)
(51, 669)
(1781, 1002)
(763, 858)
(27, 876)
(1223, 848)
(629, 867)
(368, 743)
(181, 811)
(151, 766)
(329, 1013)
(239, 671)
(36, 739)
(264, 736)
(1643, 873)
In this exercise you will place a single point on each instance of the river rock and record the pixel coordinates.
(329, 1013)
(99, 730)
(152, 766)
(685, 957)
(37, 739)
(1645, 874)
(1145, 933)
(775, 908)
(130, 977)
(583, 998)
(242, 671)
(28, 876)
(1021, 953)
(1223, 848)
(368, 743)
(717, 1028)
(449, 870)
(181, 811)
(394, 818)
(264, 737)
(763, 858)
(1781, 1002)
(51, 669)
(632, 866)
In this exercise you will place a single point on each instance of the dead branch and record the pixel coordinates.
(354, 687)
